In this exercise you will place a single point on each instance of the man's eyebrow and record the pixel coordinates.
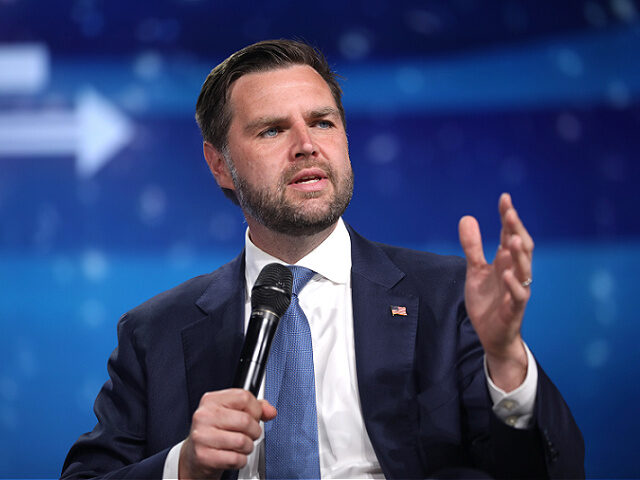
(262, 122)
(323, 112)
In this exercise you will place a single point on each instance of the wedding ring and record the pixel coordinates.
(527, 282)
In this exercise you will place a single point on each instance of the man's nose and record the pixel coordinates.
(304, 145)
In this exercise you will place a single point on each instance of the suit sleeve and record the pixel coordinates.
(117, 446)
(552, 447)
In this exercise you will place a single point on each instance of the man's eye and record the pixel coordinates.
(324, 124)
(270, 132)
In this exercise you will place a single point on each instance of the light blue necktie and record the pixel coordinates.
(291, 439)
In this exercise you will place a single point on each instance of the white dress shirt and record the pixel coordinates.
(344, 446)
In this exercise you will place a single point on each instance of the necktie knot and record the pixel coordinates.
(301, 277)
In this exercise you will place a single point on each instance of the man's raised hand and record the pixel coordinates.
(496, 294)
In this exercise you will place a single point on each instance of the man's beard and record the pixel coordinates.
(272, 209)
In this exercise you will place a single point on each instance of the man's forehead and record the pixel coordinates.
(282, 72)
(256, 88)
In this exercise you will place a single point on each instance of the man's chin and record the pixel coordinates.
(304, 225)
(301, 220)
(312, 198)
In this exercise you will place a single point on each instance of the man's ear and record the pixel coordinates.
(218, 166)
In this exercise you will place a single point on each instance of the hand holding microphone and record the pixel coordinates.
(227, 422)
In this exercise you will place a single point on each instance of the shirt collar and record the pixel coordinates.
(331, 259)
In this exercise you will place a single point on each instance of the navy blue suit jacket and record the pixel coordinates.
(421, 382)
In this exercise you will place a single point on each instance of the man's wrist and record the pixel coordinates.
(508, 369)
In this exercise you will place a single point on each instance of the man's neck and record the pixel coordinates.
(288, 248)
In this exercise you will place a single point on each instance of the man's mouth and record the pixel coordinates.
(306, 180)
(310, 180)
(308, 176)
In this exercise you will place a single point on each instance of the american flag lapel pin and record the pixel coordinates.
(398, 310)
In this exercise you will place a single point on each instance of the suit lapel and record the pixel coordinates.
(210, 357)
(384, 348)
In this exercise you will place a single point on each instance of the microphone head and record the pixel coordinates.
(272, 289)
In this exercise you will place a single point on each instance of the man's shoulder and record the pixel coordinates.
(182, 300)
(421, 259)
(411, 261)
(428, 271)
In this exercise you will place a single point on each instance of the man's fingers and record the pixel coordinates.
(235, 399)
(222, 440)
(505, 202)
(235, 421)
(519, 294)
(471, 241)
(230, 410)
(503, 260)
(521, 259)
(269, 412)
(512, 224)
(201, 461)
(516, 227)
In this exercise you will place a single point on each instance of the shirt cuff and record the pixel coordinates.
(516, 407)
(172, 463)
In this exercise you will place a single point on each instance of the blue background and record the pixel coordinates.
(449, 103)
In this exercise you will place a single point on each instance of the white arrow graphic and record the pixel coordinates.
(93, 133)
(24, 68)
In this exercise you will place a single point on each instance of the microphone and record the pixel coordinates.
(270, 298)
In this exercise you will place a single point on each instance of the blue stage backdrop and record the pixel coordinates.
(105, 199)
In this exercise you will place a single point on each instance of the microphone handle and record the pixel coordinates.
(255, 350)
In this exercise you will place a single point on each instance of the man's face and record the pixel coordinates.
(288, 150)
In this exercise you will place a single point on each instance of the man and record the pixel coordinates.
(417, 372)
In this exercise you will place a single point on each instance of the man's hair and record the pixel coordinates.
(213, 112)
